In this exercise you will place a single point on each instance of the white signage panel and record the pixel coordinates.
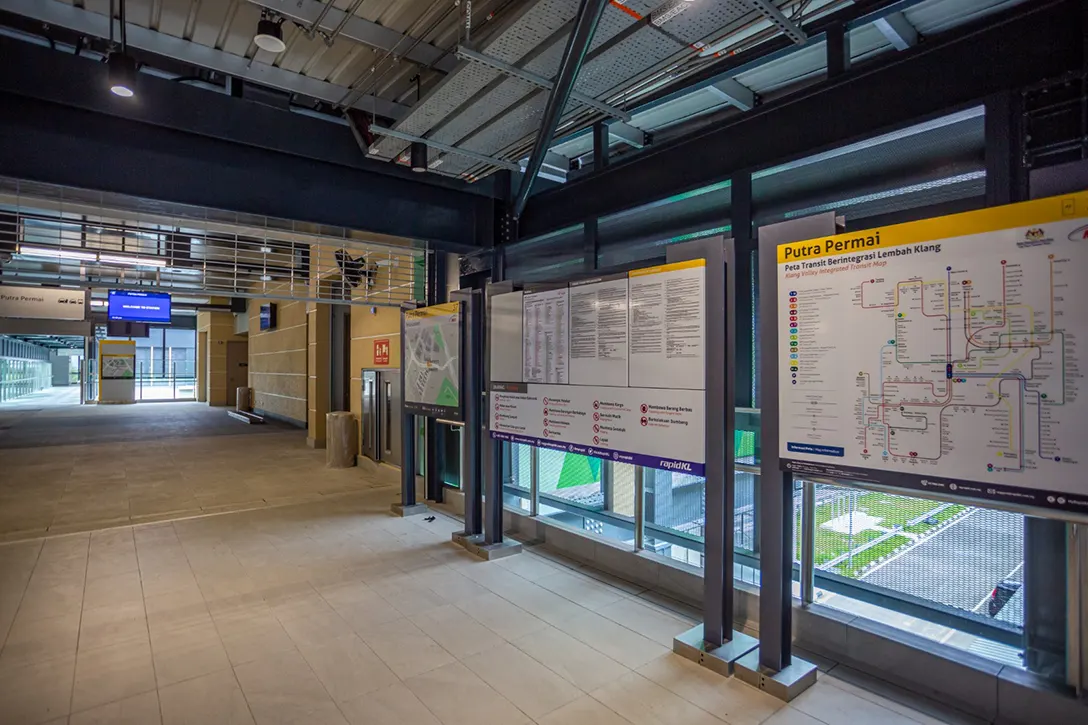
(942, 354)
(668, 326)
(644, 426)
(546, 330)
(506, 321)
(43, 303)
(598, 332)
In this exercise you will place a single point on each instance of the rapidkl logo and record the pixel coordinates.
(1080, 234)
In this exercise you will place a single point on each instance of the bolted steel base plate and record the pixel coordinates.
(692, 646)
(786, 684)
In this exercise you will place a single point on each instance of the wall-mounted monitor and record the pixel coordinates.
(139, 306)
(123, 328)
(268, 316)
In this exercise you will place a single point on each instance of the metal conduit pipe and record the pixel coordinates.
(348, 15)
(312, 30)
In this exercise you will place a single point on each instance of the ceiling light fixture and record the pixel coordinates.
(270, 33)
(419, 157)
(131, 261)
(120, 65)
(45, 252)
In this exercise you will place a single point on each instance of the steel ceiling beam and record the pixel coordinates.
(90, 23)
(736, 93)
(898, 30)
(772, 13)
(585, 25)
(624, 133)
(361, 30)
(411, 138)
(539, 81)
(1006, 52)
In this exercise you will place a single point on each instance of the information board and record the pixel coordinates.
(942, 354)
(118, 367)
(612, 367)
(431, 351)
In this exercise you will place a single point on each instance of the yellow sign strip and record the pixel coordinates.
(690, 264)
(1028, 213)
(446, 308)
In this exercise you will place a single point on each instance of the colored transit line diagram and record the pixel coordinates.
(976, 363)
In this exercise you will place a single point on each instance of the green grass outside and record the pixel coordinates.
(892, 510)
(862, 559)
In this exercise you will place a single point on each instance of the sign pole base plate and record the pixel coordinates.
(691, 645)
(399, 509)
(786, 684)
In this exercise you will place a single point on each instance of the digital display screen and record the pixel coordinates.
(139, 306)
(268, 317)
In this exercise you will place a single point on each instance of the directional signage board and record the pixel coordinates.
(612, 367)
(431, 351)
(942, 355)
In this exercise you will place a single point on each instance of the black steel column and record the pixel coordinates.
(436, 449)
(838, 49)
(744, 251)
(471, 357)
(1005, 178)
(591, 245)
(408, 438)
(601, 141)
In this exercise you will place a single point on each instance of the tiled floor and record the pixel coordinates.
(336, 612)
(80, 468)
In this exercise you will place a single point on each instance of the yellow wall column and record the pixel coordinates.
(219, 327)
(277, 360)
(318, 318)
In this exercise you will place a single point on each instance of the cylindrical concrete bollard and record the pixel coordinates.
(341, 440)
(242, 399)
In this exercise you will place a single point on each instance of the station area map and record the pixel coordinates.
(958, 358)
(432, 369)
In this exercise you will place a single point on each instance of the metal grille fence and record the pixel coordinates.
(57, 235)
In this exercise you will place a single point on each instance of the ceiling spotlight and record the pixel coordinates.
(269, 34)
(419, 157)
(122, 73)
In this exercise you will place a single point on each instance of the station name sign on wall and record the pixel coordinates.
(43, 303)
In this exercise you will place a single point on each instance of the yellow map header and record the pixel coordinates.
(1028, 213)
(446, 308)
(690, 264)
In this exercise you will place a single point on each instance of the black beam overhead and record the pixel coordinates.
(585, 25)
(60, 124)
(1005, 52)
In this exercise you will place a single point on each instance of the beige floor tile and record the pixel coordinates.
(136, 710)
(530, 566)
(40, 639)
(182, 608)
(112, 590)
(646, 703)
(316, 629)
(111, 564)
(36, 692)
(458, 697)
(789, 716)
(251, 634)
(213, 698)
(458, 633)
(500, 616)
(391, 705)
(577, 662)
(114, 624)
(728, 698)
(621, 644)
(583, 711)
(295, 601)
(112, 673)
(44, 602)
(369, 614)
(283, 690)
(343, 594)
(449, 584)
(406, 649)
(531, 686)
(867, 694)
(580, 589)
(832, 704)
(649, 621)
(187, 652)
(347, 667)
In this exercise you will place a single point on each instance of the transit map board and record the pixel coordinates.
(431, 351)
(612, 367)
(942, 355)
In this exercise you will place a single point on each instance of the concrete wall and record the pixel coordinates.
(317, 385)
(277, 360)
(212, 354)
